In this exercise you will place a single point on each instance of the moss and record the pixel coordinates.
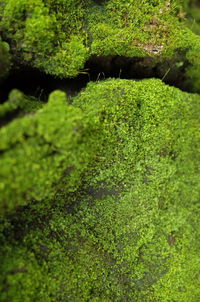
(131, 30)
(38, 149)
(43, 32)
(129, 231)
(22, 268)
(18, 104)
(158, 29)
(5, 59)
(193, 15)
(60, 36)
(99, 200)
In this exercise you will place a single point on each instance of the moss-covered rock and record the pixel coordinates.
(130, 230)
(99, 200)
(41, 150)
(46, 34)
(60, 36)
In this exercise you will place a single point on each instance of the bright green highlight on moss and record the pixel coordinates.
(126, 228)
(37, 149)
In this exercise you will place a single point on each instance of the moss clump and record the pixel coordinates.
(43, 33)
(133, 29)
(5, 59)
(39, 150)
(156, 29)
(193, 21)
(18, 105)
(129, 232)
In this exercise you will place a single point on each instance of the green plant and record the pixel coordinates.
(39, 150)
(127, 229)
(58, 37)
(5, 59)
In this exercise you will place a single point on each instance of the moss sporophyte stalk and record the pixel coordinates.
(99, 193)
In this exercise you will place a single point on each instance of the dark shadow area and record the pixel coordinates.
(8, 117)
(171, 71)
(38, 84)
(99, 1)
(197, 4)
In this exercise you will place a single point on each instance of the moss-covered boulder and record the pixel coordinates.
(130, 230)
(60, 36)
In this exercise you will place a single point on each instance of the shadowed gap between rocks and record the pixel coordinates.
(38, 84)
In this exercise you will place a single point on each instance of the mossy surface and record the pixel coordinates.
(18, 105)
(128, 230)
(60, 36)
(48, 34)
(5, 59)
(41, 147)
(99, 198)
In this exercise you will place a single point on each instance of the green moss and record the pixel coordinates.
(18, 104)
(5, 59)
(99, 199)
(60, 36)
(124, 28)
(37, 150)
(69, 59)
(158, 29)
(25, 277)
(130, 231)
(193, 15)
(43, 32)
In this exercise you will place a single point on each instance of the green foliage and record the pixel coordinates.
(22, 268)
(18, 104)
(40, 149)
(129, 231)
(149, 28)
(99, 200)
(43, 32)
(71, 55)
(59, 36)
(193, 15)
(5, 60)
(131, 29)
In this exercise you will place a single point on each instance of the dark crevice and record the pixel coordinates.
(171, 71)
(99, 1)
(38, 84)
(8, 117)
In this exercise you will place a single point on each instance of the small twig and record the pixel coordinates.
(40, 95)
(98, 77)
(166, 73)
